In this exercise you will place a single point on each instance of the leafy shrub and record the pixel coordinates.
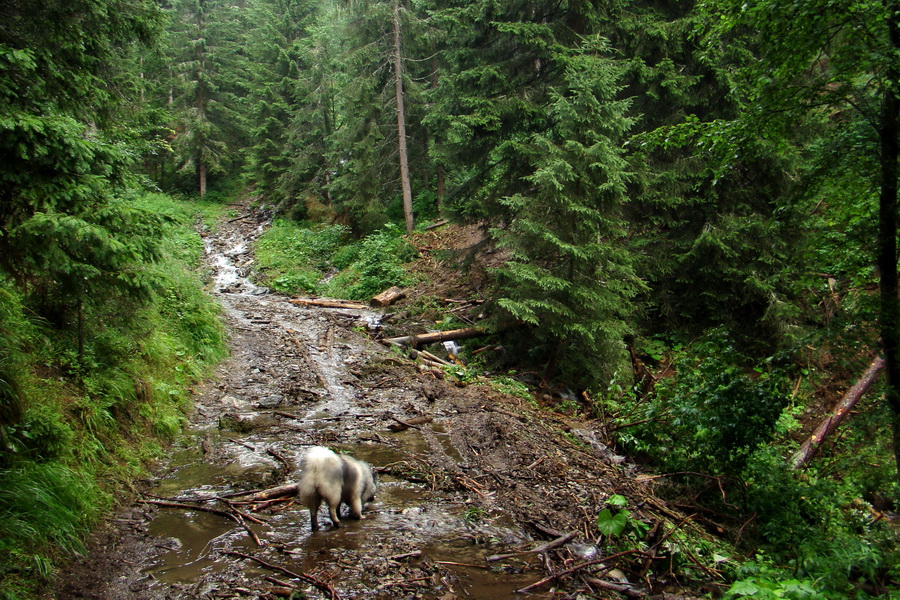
(814, 525)
(378, 265)
(714, 413)
(85, 409)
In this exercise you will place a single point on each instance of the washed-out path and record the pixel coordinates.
(487, 475)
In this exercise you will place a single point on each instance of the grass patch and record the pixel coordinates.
(79, 423)
(326, 261)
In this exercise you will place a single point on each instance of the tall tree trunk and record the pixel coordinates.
(401, 123)
(441, 174)
(887, 233)
(202, 172)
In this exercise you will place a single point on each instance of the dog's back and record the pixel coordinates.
(334, 478)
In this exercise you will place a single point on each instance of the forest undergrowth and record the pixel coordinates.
(89, 402)
(713, 425)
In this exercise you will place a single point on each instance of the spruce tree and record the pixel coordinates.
(66, 150)
(207, 77)
(533, 125)
(277, 49)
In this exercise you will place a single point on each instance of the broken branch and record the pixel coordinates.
(560, 541)
(281, 491)
(388, 297)
(317, 583)
(596, 561)
(438, 336)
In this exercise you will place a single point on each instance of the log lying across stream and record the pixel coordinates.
(422, 339)
(329, 303)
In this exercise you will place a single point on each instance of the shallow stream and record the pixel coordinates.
(296, 379)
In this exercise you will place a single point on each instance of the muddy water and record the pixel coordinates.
(295, 381)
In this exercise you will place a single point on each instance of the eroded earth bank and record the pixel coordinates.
(488, 475)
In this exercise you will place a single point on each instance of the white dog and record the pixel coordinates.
(334, 478)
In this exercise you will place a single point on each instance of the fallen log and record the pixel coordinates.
(436, 224)
(281, 491)
(388, 297)
(809, 448)
(438, 336)
(328, 303)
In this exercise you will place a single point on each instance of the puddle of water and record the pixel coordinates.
(449, 449)
(196, 533)
(478, 583)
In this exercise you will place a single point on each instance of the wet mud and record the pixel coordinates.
(487, 475)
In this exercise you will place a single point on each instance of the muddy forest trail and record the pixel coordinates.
(488, 475)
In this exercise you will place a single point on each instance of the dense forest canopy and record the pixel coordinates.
(700, 188)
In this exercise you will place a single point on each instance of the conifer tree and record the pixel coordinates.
(277, 48)
(64, 146)
(839, 65)
(207, 85)
(533, 129)
(364, 148)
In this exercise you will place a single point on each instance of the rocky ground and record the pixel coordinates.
(481, 474)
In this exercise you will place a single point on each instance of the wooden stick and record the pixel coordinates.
(240, 443)
(620, 588)
(317, 583)
(289, 489)
(832, 421)
(560, 541)
(459, 564)
(589, 563)
(250, 532)
(215, 511)
(413, 554)
(428, 357)
(275, 454)
(240, 513)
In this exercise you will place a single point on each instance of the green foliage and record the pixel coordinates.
(378, 266)
(716, 412)
(513, 387)
(474, 515)
(46, 504)
(15, 334)
(616, 520)
(815, 525)
(295, 258)
(766, 589)
(84, 417)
